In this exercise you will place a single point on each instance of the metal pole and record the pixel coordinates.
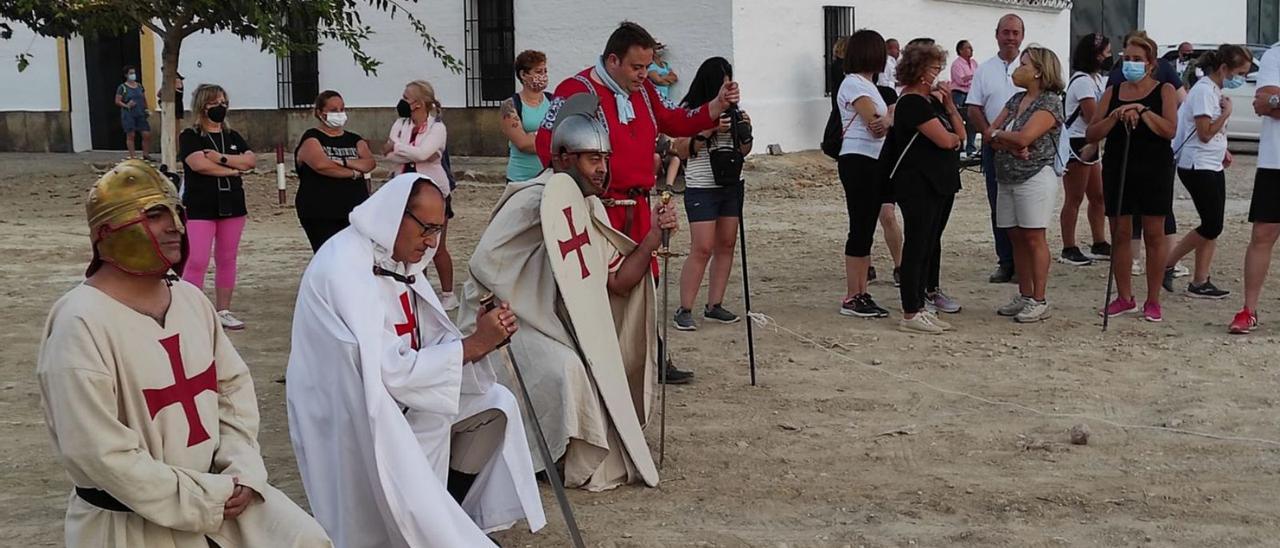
(553, 475)
(665, 252)
(735, 116)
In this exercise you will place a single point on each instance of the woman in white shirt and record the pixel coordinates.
(1083, 178)
(1200, 147)
(864, 122)
(416, 144)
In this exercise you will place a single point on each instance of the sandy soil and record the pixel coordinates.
(825, 451)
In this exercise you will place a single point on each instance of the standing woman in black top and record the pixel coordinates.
(926, 152)
(214, 157)
(1148, 108)
(331, 164)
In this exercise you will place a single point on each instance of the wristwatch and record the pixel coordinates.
(1274, 101)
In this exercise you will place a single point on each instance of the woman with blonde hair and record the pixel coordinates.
(214, 157)
(417, 144)
(1025, 140)
(1139, 116)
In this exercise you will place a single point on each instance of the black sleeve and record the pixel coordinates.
(189, 141)
(912, 110)
(888, 94)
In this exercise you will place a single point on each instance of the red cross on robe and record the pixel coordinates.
(183, 391)
(410, 324)
(575, 243)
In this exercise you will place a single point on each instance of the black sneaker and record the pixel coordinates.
(1003, 274)
(897, 277)
(1101, 251)
(719, 314)
(683, 320)
(1073, 257)
(1207, 290)
(1168, 280)
(871, 274)
(678, 376)
(861, 306)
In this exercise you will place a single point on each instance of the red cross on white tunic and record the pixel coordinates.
(410, 324)
(575, 243)
(183, 391)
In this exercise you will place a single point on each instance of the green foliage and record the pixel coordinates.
(280, 26)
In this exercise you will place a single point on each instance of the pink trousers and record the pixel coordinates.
(223, 237)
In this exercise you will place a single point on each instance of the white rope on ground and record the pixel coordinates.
(766, 321)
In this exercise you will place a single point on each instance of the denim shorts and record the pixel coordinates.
(134, 122)
(709, 204)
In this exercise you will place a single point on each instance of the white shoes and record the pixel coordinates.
(1014, 307)
(1034, 311)
(448, 301)
(228, 321)
(919, 324)
(1180, 271)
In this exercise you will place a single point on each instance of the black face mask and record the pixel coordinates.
(403, 109)
(1108, 63)
(218, 114)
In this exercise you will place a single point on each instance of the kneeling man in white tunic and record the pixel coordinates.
(402, 438)
(151, 409)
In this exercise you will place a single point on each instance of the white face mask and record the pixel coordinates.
(335, 119)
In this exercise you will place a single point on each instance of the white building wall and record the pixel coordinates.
(1170, 22)
(780, 52)
(239, 66)
(81, 137)
(36, 88)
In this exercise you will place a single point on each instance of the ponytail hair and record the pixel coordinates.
(426, 93)
(1230, 55)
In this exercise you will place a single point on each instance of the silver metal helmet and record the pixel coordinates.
(578, 128)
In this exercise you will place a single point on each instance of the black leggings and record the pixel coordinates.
(858, 176)
(924, 217)
(320, 230)
(1208, 191)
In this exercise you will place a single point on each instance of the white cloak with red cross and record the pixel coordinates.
(161, 418)
(375, 386)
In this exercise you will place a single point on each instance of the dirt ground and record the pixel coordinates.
(825, 451)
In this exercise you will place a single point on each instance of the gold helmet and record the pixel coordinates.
(117, 210)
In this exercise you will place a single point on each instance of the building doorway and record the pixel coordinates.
(1113, 18)
(104, 60)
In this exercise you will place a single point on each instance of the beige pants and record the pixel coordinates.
(475, 439)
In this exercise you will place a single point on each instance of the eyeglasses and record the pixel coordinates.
(427, 229)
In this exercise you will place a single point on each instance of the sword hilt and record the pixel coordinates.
(666, 234)
(489, 302)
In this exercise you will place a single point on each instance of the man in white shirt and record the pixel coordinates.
(1264, 211)
(991, 89)
(889, 78)
(1184, 59)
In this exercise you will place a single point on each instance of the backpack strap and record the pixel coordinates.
(1076, 113)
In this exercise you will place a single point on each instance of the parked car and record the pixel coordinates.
(1244, 124)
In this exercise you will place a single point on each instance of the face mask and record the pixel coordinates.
(131, 77)
(218, 114)
(1023, 76)
(1133, 70)
(536, 83)
(335, 119)
(1233, 82)
(403, 109)
(1108, 63)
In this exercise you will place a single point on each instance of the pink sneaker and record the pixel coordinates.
(1151, 312)
(1119, 307)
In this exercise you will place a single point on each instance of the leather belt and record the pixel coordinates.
(101, 499)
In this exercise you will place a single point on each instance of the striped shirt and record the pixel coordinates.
(697, 172)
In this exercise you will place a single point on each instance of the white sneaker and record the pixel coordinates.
(448, 300)
(228, 321)
(935, 320)
(1136, 269)
(919, 324)
(1180, 271)
(1035, 311)
(1014, 306)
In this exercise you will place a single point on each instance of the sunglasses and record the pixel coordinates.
(427, 228)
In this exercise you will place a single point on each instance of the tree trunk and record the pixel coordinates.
(168, 107)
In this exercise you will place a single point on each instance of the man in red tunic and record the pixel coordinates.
(635, 114)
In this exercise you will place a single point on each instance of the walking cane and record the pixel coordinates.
(553, 475)
(665, 252)
(1111, 271)
(735, 116)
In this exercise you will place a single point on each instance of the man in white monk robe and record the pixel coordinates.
(402, 438)
(151, 409)
(586, 299)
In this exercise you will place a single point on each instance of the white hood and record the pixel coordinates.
(378, 219)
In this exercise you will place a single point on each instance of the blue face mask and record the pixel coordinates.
(1233, 82)
(1133, 70)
